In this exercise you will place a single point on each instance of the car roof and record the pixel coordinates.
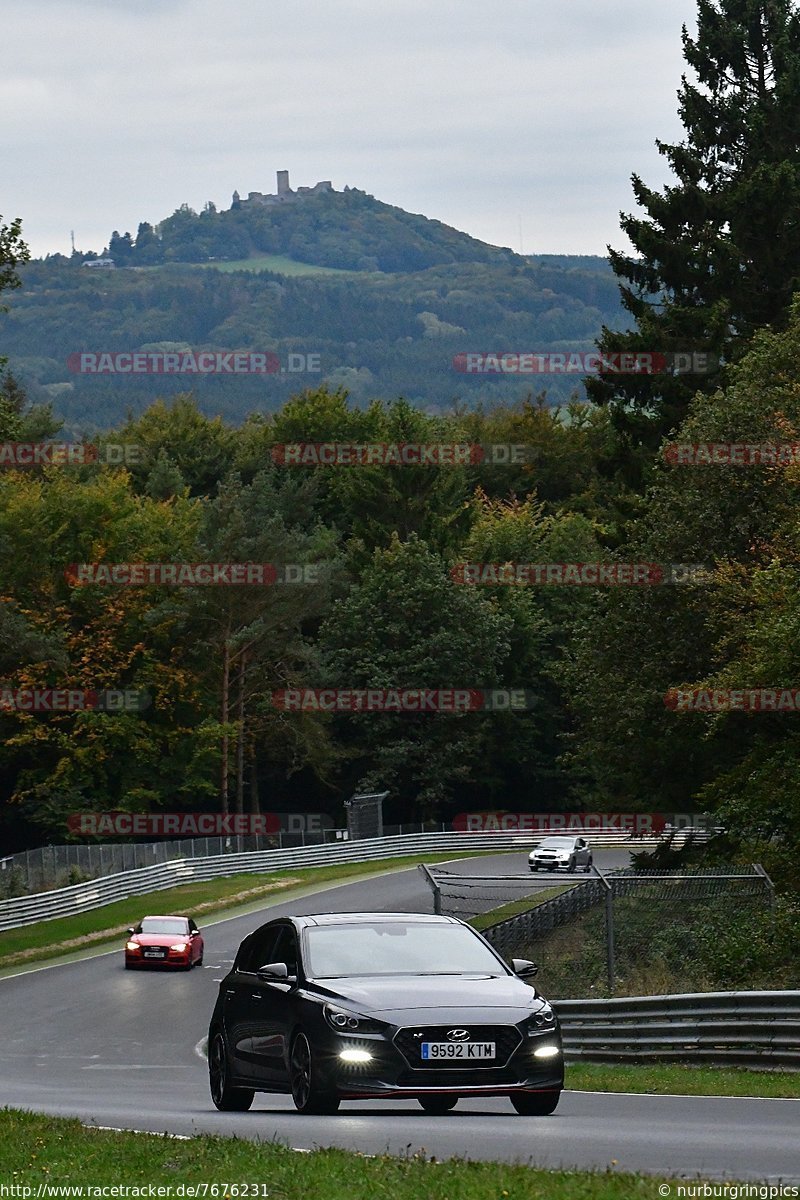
(360, 918)
(166, 917)
(351, 918)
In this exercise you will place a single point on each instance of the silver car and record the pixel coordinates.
(561, 854)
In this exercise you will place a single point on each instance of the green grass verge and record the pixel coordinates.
(515, 907)
(679, 1080)
(64, 935)
(38, 1150)
(278, 263)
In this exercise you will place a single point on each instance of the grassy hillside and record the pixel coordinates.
(279, 264)
(385, 300)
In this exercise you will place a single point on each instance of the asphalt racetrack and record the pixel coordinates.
(124, 1049)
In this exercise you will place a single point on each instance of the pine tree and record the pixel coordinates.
(13, 252)
(718, 253)
(120, 248)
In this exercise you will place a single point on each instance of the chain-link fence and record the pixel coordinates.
(59, 866)
(630, 932)
(468, 896)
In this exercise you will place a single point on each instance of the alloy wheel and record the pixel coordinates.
(301, 1071)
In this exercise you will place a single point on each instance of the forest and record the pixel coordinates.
(641, 538)
(374, 333)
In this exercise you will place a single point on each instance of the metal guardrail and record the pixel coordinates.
(52, 866)
(47, 867)
(26, 910)
(747, 1029)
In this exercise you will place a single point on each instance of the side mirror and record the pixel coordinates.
(131, 930)
(524, 968)
(273, 971)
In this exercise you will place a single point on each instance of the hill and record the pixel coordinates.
(300, 283)
(348, 230)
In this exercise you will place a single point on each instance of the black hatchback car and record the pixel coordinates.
(353, 1006)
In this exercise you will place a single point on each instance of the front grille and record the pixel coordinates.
(408, 1041)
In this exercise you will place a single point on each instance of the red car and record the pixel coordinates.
(164, 942)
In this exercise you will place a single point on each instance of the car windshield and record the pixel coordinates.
(397, 948)
(556, 844)
(165, 925)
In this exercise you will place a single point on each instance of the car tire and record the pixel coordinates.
(437, 1106)
(535, 1104)
(571, 866)
(589, 864)
(533, 866)
(309, 1094)
(226, 1097)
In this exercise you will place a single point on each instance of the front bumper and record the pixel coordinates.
(173, 959)
(377, 1090)
(393, 1071)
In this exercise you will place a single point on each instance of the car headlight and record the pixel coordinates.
(543, 1021)
(132, 946)
(179, 946)
(348, 1022)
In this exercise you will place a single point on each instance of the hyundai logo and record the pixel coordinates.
(458, 1035)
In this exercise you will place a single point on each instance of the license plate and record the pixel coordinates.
(155, 954)
(459, 1050)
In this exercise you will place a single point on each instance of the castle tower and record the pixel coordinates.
(236, 201)
(283, 183)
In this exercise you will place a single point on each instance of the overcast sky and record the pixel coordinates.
(519, 117)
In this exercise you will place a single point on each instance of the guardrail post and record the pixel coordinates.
(610, 963)
(610, 940)
(437, 891)
(760, 870)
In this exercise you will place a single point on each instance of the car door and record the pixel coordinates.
(240, 1010)
(581, 852)
(274, 1010)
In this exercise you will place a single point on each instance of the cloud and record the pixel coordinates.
(477, 116)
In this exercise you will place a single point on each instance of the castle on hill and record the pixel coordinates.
(284, 194)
